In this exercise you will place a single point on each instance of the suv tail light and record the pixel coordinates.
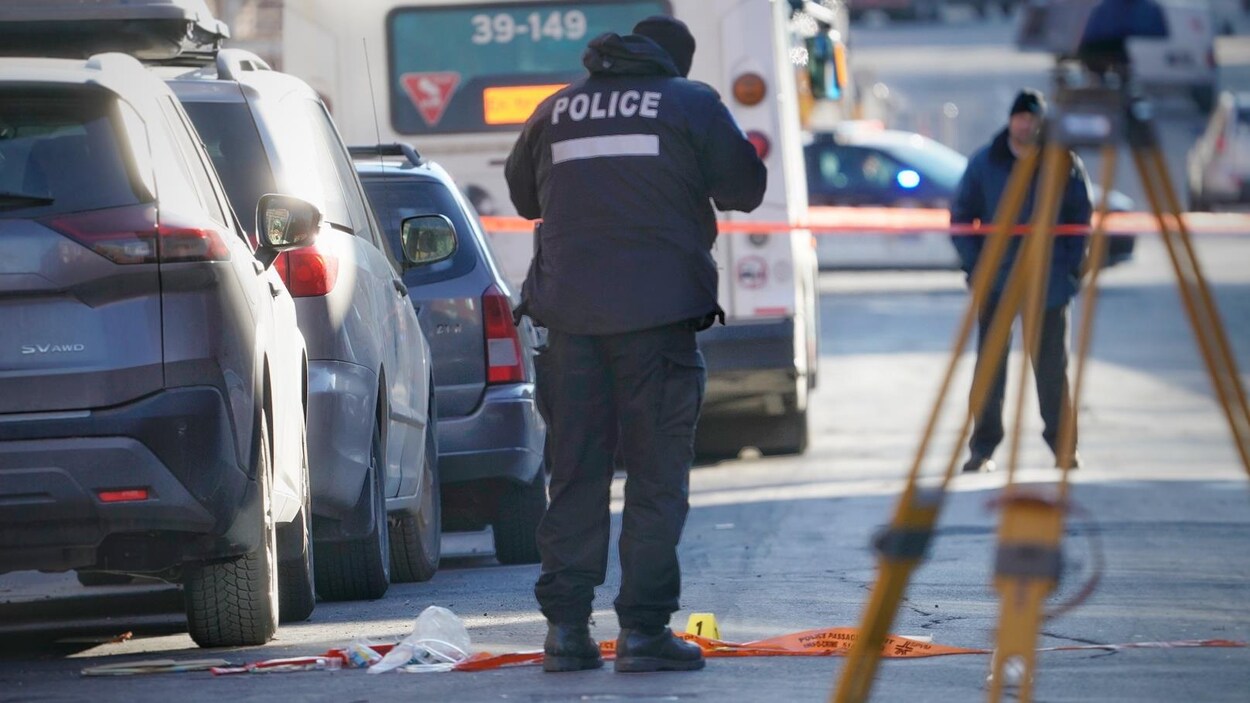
(308, 272)
(504, 363)
(132, 235)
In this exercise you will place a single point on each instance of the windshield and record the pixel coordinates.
(230, 137)
(940, 163)
(481, 68)
(60, 152)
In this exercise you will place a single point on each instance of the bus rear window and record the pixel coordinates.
(484, 68)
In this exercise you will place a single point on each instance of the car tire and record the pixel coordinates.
(1203, 97)
(416, 540)
(1197, 203)
(521, 508)
(360, 569)
(234, 603)
(773, 435)
(297, 593)
(783, 434)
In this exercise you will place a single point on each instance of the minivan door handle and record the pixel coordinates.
(400, 287)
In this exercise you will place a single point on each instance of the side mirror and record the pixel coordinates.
(428, 239)
(284, 222)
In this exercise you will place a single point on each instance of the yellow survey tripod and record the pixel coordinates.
(1093, 108)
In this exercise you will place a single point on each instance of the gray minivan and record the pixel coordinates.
(490, 433)
(372, 446)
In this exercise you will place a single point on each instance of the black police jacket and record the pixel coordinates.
(622, 167)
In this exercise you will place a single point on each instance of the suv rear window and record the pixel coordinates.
(61, 151)
(232, 142)
(395, 198)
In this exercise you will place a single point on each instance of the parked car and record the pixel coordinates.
(873, 167)
(372, 448)
(490, 433)
(1218, 172)
(152, 375)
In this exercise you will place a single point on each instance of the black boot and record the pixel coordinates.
(638, 651)
(570, 648)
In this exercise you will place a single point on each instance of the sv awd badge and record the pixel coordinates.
(53, 348)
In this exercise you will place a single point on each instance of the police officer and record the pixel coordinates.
(624, 166)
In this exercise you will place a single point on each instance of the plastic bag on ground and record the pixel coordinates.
(438, 642)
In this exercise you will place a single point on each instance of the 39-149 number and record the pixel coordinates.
(503, 28)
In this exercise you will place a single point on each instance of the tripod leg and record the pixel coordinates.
(1066, 442)
(1036, 262)
(1027, 565)
(902, 546)
(1196, 297)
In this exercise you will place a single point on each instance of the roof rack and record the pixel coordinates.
(146, 29)
(396, 149)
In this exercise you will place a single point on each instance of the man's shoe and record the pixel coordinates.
(977, 464)
(570, 648)
(637, 651)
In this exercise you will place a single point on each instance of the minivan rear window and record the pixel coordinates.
(61, 151)
(232, 142)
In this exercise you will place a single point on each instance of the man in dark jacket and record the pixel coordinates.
(623, 166)
(976, 199)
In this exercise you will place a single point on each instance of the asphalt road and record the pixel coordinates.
(779, 545)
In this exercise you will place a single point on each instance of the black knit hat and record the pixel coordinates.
(1029, 100)
(673, 36)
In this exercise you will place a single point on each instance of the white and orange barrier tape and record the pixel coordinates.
(886, 221)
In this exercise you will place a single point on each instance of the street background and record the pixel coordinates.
(779, 545)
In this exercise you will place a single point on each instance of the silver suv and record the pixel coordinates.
(490, 433)
(152, 377)
(372, 443)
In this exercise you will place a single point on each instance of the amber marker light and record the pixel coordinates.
(750, 89)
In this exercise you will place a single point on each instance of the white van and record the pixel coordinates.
(1185, 59)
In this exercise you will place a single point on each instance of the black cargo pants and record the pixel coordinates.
(1050, 372)
(644, 390)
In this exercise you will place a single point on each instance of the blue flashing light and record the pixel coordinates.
(908, 178)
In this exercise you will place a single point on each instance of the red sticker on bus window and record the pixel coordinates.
(431, 92)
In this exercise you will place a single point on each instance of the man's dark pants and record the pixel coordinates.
(644, 389)
(1050, 371)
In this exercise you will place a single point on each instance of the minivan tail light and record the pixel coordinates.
(132, 235)
(308, 272)
(504, 363)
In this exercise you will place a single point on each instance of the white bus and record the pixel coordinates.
(458, 78)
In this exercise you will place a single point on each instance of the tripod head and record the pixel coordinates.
(1094, 100)
(1091, 32)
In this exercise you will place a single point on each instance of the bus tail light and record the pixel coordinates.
(760, 142)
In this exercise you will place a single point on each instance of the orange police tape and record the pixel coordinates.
(864, 220)
(833, 641)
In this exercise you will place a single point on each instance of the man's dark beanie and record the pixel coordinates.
(673, 36)
(1029, 100)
